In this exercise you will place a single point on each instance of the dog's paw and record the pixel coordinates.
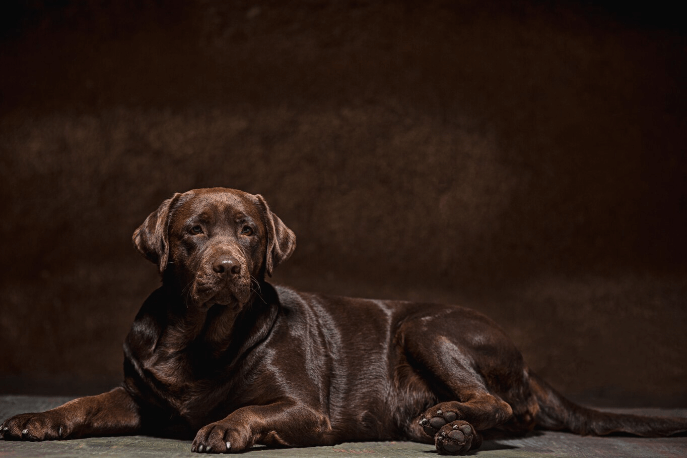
(34, 427)
(438, 416)
(221, 437)
(457, 438)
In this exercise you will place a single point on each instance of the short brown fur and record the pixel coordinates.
(219, 355)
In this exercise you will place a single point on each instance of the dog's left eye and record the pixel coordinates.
(247, 230)
(196, 230)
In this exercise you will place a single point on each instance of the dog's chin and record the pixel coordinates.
(204, 294)
(230, 301)
(224, 298)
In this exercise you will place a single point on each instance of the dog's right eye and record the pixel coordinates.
(196, 230)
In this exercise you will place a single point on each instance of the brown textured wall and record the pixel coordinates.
(525, 160)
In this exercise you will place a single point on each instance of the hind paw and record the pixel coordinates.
(457, 438)
(436, 417)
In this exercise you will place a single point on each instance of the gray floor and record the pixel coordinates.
(539, 444)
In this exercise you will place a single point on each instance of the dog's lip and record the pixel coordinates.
(235, 306)
(207, 295)
(229, 300)
(223, 301)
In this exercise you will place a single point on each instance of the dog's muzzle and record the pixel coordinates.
(223, 279)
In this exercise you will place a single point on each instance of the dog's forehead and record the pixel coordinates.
(216, 204)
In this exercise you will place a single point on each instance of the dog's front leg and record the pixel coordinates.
(111, 413)
(285, 424)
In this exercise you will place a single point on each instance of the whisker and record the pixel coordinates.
(257, 291)
(184, 292)
(253, 279)
(258, 294)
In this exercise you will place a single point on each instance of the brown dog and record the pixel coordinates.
(219, 353)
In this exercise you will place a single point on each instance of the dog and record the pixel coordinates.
(219, 355)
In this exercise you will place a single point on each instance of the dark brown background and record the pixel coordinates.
(527, 160)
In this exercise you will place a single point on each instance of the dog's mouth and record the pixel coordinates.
(228, 300)
(231, 295)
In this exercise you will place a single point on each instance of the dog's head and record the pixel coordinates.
(212, 243)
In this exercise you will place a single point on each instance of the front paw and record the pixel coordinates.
(221, 437)
(34, 427)
(457, 438)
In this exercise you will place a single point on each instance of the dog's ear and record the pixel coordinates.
(281, 241)
(151, 238)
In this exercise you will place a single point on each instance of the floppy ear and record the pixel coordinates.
(281, 241)
(151, 238)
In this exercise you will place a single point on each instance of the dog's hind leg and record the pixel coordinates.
(455, 424)
(467, 369)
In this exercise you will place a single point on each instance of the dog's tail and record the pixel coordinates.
(558, 413)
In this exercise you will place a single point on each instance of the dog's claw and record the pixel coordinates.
(424, 421)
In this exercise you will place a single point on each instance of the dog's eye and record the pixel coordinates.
(247, 230)
(196, 230)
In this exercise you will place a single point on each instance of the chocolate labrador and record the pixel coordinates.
(218, 353)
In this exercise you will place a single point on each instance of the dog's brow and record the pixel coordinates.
(203, 216)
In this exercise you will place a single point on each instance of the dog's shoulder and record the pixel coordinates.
(150, 320)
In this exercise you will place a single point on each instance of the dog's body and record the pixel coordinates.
(218, 353)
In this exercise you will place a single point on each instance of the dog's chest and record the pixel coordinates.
(181, 374)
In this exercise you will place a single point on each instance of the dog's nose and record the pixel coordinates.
(226, 265)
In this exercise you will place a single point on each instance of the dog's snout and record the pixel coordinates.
(226, 265)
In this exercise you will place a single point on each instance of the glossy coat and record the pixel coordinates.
(219, 355)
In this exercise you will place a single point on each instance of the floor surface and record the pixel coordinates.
(538, 444)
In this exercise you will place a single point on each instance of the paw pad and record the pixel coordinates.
(437, 422)
(457, 436)
(433, 422)
(456, 439)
